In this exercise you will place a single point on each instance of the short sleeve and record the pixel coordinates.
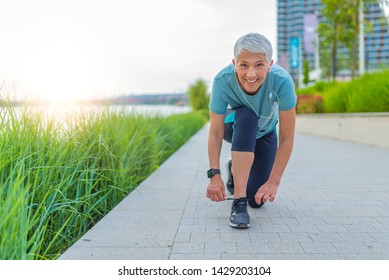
(287, 95)
(217, 103)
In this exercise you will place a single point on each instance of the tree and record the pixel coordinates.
(342, 28)
(198, 95)
(332, 31)
(354, 13)
(306, 72)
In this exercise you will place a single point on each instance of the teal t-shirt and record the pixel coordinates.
(276, 93)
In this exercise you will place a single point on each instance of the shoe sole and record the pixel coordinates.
(240, 226)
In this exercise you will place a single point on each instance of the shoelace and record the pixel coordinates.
(251, 198)
(240, 206)
(248, 198)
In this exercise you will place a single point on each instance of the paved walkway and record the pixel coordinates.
(332, 204)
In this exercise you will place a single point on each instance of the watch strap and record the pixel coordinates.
(212, 172)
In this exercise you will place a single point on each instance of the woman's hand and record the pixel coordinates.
(216, 190)
(267, 191)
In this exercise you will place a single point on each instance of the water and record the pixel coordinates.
(63, 112)
(152, 110)
(74, 109)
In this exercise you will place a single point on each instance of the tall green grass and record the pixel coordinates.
(59, 177)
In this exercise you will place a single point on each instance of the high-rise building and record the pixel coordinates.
(297, 38)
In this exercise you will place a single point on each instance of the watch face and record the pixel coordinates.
(211, 172)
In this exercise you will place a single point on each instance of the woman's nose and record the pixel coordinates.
(251, 72)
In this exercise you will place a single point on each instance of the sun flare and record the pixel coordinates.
(59, 72)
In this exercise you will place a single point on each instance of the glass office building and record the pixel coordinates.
(297, 39)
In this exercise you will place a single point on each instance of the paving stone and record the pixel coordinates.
(308, 256)
(318, 248)
(365, 220)
(275, 228)
(326, 237)
(317, 213)
(351, 237)
(187, 221)
(237, 236)
(191, 228)
(332, 228)
(116, 253)
(310, 221)
(344, 257)
(360, 228)
(381, 228)
(353, 248)
(291, 213)
(285, 248)
(205, 237)
(222, 248)
(253, 248)
(259, 237)
(295, 237)
(182, 237)
(273, 257)
(378, 248)
(375, 256)
(218, 228)
(304, 228)
(206, 221)
(238, 256)
(121, 228)
(382, 237)
(338, 220)
(186, 247)
(191, 256)
(284, 221)
(261, 221)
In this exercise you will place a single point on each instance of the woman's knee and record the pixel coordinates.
(253, 204)
(245, 130)
(246, 116)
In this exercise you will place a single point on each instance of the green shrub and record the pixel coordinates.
(370, 93)
(319, 88)
(336, 98)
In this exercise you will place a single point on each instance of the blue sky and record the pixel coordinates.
(93, 48)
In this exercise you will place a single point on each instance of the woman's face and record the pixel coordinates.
(251, 70)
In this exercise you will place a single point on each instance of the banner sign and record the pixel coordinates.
(310, 26)
(294, 52)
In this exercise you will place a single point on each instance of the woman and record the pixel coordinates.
(249, 97)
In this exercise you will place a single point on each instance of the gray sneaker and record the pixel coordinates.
(230, 179)
(239, 217)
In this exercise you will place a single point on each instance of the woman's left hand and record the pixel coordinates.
(267, 191)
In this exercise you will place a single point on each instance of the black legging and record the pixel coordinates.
(240, 128)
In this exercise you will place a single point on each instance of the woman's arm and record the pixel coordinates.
(216, 189)
(286, 138)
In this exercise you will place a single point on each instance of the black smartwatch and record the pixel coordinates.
(212, 172)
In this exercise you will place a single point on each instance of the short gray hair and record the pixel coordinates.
(254, 43)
